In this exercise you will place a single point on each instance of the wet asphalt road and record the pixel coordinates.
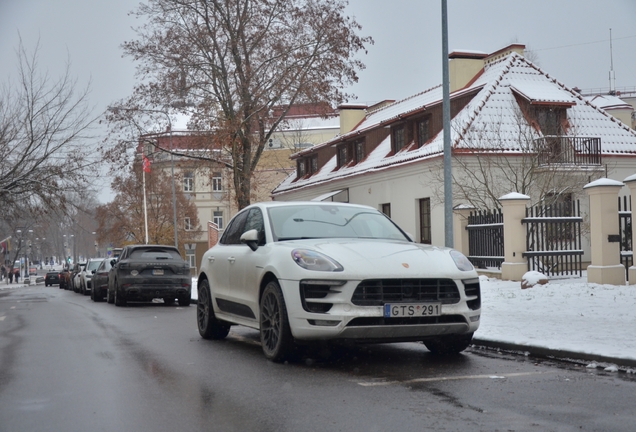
(68, 364)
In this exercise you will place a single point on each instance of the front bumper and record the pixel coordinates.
(344, 320)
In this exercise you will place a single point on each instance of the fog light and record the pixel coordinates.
(474, 318)
(324, 323)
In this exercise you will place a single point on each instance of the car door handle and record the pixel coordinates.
(231, 259)
(211, 259)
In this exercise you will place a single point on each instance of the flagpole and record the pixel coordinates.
(143, 172)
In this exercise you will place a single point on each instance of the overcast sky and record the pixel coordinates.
(571, 39)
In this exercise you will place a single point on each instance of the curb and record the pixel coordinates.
(563, 355)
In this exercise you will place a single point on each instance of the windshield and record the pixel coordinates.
(155, 254)
(331, 221)
(92, 265)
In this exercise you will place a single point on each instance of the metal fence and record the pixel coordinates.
(485, 238)
(553, 239)
(625, 228)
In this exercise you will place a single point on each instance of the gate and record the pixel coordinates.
(485, 238)
(625, 229)
(553, 239)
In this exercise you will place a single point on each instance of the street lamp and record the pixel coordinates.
(174, 195)
(19, 235)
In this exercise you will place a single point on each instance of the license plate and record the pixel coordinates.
(157, 272)
(398, 310)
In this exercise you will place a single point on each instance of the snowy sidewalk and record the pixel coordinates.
(568, 315)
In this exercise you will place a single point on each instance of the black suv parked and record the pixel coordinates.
(145, 272)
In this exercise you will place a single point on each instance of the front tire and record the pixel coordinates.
(109, 298)
(209, 326)
(276, 338)
(449, 345)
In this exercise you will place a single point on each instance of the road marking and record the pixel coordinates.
(12, 307)
(451, 378)
(2, 318)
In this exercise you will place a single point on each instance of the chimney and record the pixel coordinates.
(350, 116)
(518, 48)
(463, 66)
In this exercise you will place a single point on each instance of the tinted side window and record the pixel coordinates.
(232, 234)
(255, 221)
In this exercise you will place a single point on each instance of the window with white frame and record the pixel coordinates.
(187, 224)
(188, 182)
(218, 219)
(217, 182)
(192, 260)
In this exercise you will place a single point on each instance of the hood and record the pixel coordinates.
(387, 259)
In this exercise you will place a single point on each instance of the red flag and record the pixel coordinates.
(146, 164)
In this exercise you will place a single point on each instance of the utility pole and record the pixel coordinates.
(448, 168)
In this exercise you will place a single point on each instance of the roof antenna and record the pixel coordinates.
(612, 77)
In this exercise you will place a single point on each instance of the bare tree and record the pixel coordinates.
(44, 126)
(231, 61)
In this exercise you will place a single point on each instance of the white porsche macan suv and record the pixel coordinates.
(307, 271)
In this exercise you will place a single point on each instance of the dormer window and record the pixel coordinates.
(343, 155)
(549, 119)
(359, 149)
(301, 168)
(313, 165)
(398, 138)
(422, 132)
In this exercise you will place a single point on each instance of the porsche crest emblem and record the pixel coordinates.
(405, 265)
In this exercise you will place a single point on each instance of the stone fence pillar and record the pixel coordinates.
(631, 183)
(515, 265)
(606, 267)
(460, 222)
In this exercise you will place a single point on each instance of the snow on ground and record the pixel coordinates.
(568, 314)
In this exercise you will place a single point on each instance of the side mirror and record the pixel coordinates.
(250, 238)
(112, 262)
(93, 271)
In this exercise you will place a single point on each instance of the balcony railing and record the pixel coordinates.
(567, 150)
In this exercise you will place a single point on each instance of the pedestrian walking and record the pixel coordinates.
(11, 276)
(17, 277)
(3, 272)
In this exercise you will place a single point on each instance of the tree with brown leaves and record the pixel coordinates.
(229, 62)
(121, 222)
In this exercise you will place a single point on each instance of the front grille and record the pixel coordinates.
(377, 292)
(381, 321)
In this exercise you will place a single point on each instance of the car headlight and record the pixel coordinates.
(461, 261)
(312, 260)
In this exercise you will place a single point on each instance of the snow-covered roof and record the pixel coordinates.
(301, 123)
(540, 91)
(608, 102)
(493, 110)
